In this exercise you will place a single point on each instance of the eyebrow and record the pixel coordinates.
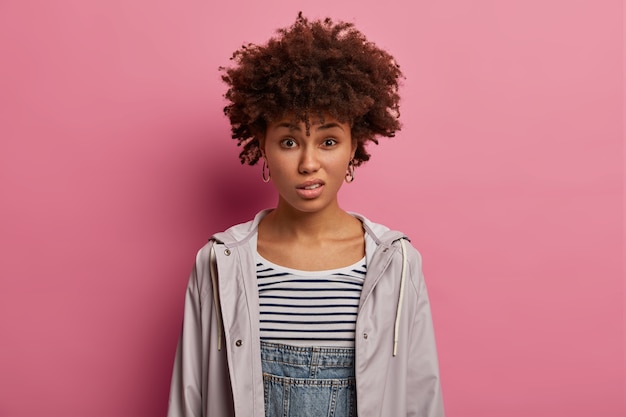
(288, 125)
(330, 125)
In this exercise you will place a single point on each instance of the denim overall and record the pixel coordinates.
(308, 381)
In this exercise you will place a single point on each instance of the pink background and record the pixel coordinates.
(116, 166)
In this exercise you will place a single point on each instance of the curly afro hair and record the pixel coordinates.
(313, 68)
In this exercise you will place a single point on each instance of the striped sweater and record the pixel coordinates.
(309, 308)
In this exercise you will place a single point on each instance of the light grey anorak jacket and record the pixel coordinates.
(217, 370)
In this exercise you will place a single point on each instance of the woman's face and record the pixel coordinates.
(308, 170)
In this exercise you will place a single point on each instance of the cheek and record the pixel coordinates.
(340, 162)
(281, 171)
(338, 168)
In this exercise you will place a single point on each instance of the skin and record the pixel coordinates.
(308, 230)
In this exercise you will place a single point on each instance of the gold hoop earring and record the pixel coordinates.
(350, 172)
(266, 178)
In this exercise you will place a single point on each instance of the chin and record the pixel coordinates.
(311, 206)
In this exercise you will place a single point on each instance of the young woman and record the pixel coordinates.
(308, 310)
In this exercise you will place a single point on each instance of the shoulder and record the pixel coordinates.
(204, 253)
(373, 229)
(382, 235)
(240, 233)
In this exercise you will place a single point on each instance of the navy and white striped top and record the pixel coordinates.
(309, 308)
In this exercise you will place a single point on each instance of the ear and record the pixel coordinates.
(354, 146)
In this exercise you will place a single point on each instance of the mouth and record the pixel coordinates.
(311, 189)
(310, 185)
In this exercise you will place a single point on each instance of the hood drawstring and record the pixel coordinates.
(216, 297)
(400, 299)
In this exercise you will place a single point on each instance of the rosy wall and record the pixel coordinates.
(115, 166)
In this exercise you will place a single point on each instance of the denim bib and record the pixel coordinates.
(308, 381)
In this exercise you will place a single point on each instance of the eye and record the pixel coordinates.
(288, 143)
(329, 142)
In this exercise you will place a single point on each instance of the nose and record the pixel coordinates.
(309, 162)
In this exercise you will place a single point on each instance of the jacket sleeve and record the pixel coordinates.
(424, 389)
(190, 364)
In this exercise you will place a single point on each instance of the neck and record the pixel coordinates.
(291, 223)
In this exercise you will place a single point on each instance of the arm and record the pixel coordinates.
(425, 399)
(190, 364)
